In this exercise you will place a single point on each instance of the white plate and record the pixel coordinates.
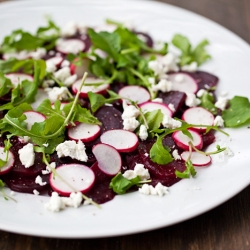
(135, 212)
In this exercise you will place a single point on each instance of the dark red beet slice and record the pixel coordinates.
(208, 139)
(100, 192)
(25, 184)
(175, 97)
(110, 118)
(204, 79)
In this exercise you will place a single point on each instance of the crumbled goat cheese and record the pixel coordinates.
(27, 155)
(57, 93)
(70, 29)
(228, 152)
(70, 80)
(163, 85)
(65, 63)
(176, 155)
(151, 80)
(171, 107)
(35, 192)
(130, 124)
(169, 122)
(159, 189)
(48, 168)
(130, 111)
(191, 100)
(55, 203)
(39, 181)
(139, 170)
(221, 102)
(73, 150)
(50, 67)
(24, 54)
(143, 133)
(62, 74)
(24, 139)
(75, 46)
(87, 202)
(156, 67)
(74, 200)
(160, 100)
(192, 67)
(48, 83)
(51, 53)
(170, 62)
(38, 54)
(201, 92)
(218, 121)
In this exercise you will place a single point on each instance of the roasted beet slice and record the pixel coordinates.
(204, 79)
(100, 192)
(25, 184)
(110, 118)
(208, 139)
(174, 97)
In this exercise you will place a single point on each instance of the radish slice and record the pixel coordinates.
(135, 93)
(17, 78)
(84, 132)
(122, 140)
(67, 46)
(183, 82)
(33, 117)
(150, 106)
(99, 89)
(79, 176)
(81, 69)
(198, 116)
(56, 60)
(182, 140)
(9, 164)
(108, 158)
(40, 97)
(197, 159)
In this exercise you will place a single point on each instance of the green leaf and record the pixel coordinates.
(1, 183)
(207, 102)
(5, 85)
(182, 43)
(159, 154)
(238, 112)
(190, 171)
(199, 52)
(120, 184)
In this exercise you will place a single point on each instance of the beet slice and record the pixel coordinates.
(174, 97)
(204, 79)
(25, 184)
(208, 139)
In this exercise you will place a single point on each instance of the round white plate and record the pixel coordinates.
(132, 213)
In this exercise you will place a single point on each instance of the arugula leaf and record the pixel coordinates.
(1, 184)
(5, 85)
(190, 171)
(189, 55)
(238, 112)
(120, 184)
(160, 154)
(207, 102)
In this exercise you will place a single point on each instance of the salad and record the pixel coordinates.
(91, 112)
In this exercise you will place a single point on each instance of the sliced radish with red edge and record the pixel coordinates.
(135, 93)
(183, 82)
(108, 158)
(17, 78)
(79, 176)
(67, 46)
(197, 158)
(56, 60)
(79, 70)
(122, 140)
(198, 116)
(98, 89)
(84, 132)
(151, 106)
(182, 140)
(33, 117)
(39, 98)
(10, 162)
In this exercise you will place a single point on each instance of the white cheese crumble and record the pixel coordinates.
(163, 85)
(27, 155)
(65, 63)
(171, 123)
(170, 62)
(218, 121)
(57, 93)
(143, 133)
(74, 200)
(139, 170)
(35, 192)
(176, 155)
(38, 54)
(201, 92)
(192, 67)
(171, 107)
(129, 111)
(73, 150)
(130, 124)
(156, 67)
(191, 100)
(159, 189)
(70, 29)
(160, 100)
(39, 181)
(221, 102)
(48, 168)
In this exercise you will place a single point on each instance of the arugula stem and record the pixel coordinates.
(191, 146)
